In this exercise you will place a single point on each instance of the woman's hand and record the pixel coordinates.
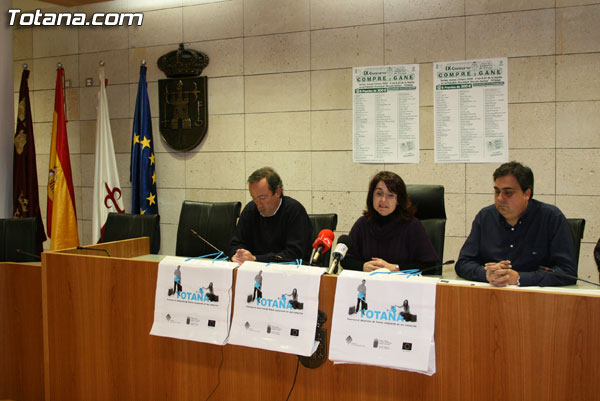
(377, 263)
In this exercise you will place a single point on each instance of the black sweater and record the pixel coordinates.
(286, 235)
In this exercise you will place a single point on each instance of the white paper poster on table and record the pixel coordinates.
(193, 299)
(276, 307)
(385, 320)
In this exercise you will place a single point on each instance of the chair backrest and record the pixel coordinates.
(577, 228)
(597, 254)
(431, 211)
(213, 221)
(429, 201)
(21, 234)
(120, 226)
(320, 222)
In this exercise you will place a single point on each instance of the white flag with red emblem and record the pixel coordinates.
(107, 189)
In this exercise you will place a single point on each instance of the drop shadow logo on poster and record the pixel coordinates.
(381, 343)
(256, 288)
(292, 300)
(201, 295)
(183, 98)
(177, 286)
(208, 293)
(250, 328)
(285, 301)
(395, 313)
(361, 299)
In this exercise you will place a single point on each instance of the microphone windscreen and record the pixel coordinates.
(346, 240)
(325, 238)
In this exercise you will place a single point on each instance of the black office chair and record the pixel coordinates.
(320, 222)
(597, 254)
(429, 201)
(120, 226)
(18, 239)
(214, 222)
(577, 228)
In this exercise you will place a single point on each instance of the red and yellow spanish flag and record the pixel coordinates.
(61, 219)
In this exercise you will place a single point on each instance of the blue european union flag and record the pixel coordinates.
(144, 199)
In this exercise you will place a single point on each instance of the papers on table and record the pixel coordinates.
(193, 299)
(276, 307)
(378, 319)
(384, 319)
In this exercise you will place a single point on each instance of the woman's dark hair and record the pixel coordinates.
(404, 210)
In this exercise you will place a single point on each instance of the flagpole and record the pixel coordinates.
(107, 194)
(59, 66)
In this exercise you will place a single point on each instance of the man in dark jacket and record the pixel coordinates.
(272, 227)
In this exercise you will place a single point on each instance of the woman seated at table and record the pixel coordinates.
(388, 235)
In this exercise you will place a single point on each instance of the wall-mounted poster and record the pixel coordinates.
(385, 114)
(471, 111)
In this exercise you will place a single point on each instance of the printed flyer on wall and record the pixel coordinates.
(471, 111)
(385, 114)
(385, 320)
(193, 299)
(276, 307)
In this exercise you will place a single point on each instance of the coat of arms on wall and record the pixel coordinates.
(183, 98)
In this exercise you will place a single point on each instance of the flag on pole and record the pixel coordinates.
(107, 189)
(61, 220)
(26, 201)
(143, 167)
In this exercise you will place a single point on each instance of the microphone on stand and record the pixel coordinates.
(448, 262)
(94, 249)
(31, 255)
(206, 241)
(344, 242)
(321, 245)
(565, 275)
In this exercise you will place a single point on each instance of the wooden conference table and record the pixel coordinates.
(491, 344)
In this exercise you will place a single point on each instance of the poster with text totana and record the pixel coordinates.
(276, 307)
(193, 299)
(384, 319)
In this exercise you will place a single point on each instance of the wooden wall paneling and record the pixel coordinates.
(21, 340)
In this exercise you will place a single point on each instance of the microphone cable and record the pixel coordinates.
(223, 346)
(295, 377)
